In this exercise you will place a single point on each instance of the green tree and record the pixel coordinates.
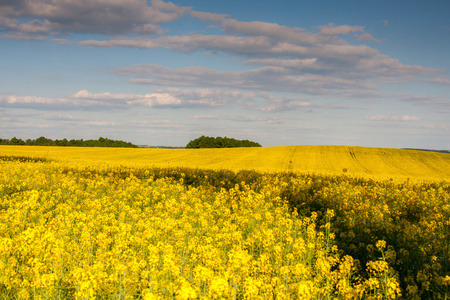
(16, 141)
(219, 142)
(43, 141)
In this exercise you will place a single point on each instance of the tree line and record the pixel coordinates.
(43, 141)
(219, 142)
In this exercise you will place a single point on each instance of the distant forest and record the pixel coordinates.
(219, 142)
(43, 141)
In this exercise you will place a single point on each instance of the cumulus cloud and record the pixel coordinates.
(442, 80)
(166, 98)
(97, 16)
(14, 99)
(7, 22)
(365, 37)
(307, 63)
(375, 66)
(286, 59)
(61, 117)
(151, 100)
(123, 42)
(331, 29)
(300, 56)
(85, 94)
(208, 17)
(239, 118)
(57, 104)
(154, 100)
(404, 118)
(432, 103)
(418, 99)
(157, 98)
(266, 78)
(191, 43)
(100, 124)
(261, 39)
(270, 30)
(323, 52)
(35, 26)
(23, 36)
(206, 97)
(292, 104)
(282, 47)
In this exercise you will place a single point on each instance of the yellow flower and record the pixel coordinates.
(218, 288)
(186, 291)
(380, 245)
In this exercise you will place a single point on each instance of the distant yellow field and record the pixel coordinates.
(359, 161)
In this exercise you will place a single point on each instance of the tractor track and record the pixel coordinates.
(355, 159)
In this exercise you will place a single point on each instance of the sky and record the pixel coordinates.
(284, 72)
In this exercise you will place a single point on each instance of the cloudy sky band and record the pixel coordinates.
(253, 72)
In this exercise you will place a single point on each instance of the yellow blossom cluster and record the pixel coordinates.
(71, 231)
(407, 220)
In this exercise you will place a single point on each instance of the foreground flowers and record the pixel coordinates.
(75, 231)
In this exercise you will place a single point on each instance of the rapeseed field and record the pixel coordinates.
(377, 163)
(85, 223)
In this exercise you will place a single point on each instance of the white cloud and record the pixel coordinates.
(152, 100)
(393, 118)
(431, 103)
(23, 36)
(267, 78)
(168, 98)
(292, 104)
(270, 30)
(84, 94)
(168, 7)
(61, 117)
(155, 100)
(439, 80)
(208, 17)
(123, 42)
(147, 28)
(287, 63)
(248, 38)
(13, 99)
(100, 124)
(331, 29)
(95, 16)
(365, 37)
(418, 99)
(288, 48)
(163, 98)
(239, 118)
(35, 26)
(8, 22)
(323, 54)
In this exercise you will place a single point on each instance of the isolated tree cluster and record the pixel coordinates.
(219, 142)
(43, 141)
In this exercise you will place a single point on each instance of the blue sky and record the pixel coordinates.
(285, 72)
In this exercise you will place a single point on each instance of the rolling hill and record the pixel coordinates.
(355, 161)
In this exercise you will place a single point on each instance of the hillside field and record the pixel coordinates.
(359, 161)
(297, 222)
